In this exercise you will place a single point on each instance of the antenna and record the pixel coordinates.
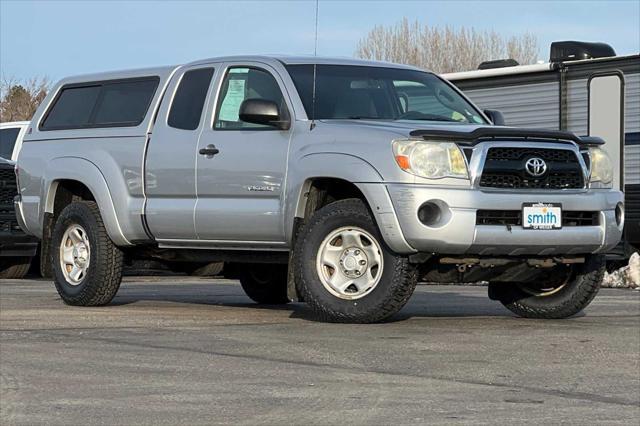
(313, 93)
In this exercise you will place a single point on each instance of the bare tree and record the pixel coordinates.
(445, 49)
(19, 100)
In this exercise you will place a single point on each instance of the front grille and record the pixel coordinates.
(505, 168)
(9, 225)
(8, 187)
(514, 218)
(499, 217)
(8, 190)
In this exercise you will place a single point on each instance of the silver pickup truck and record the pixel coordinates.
(336, 182)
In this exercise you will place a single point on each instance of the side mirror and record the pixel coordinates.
(495, 116)
(262, 111)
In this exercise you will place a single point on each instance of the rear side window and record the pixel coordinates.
(117, 103)
(188, 102)
(8, 139)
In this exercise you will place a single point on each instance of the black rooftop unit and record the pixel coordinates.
(577, 50)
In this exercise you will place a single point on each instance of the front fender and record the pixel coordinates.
(339, 165)
(350, 168)
(86, 172)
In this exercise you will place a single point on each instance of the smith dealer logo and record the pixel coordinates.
(546, 217)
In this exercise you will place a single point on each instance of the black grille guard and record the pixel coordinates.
(495, 133)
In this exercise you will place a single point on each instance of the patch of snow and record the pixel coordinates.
(625, 277)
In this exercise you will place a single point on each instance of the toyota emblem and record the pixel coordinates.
(535, 166)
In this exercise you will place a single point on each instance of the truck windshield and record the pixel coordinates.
(375, 93)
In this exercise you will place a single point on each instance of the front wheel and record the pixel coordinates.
(573, 289)
(87, 266)
(343, 269)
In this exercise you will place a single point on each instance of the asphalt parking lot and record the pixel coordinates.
(194, 351)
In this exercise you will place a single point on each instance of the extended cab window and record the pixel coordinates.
(117, 103)
(8, 139)
(188, 102)
(245, 83)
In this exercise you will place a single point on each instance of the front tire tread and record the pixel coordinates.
(583, 289)
(403, 278)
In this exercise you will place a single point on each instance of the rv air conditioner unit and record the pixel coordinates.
(576, 50)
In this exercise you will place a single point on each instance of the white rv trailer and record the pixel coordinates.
(578, 91)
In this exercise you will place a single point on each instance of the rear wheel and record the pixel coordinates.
(14, 267)
(209, 270)
(87, 266)
(265, 283)
(571, 291)
(198, 269)
(343, 269)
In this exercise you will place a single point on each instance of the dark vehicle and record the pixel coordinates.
(16, 248)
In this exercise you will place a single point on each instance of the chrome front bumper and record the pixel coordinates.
(458, 232)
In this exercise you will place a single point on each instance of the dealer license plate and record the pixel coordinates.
(542, 216)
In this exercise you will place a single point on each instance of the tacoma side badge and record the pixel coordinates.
(260, 188)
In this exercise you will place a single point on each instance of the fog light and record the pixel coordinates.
(429, 213)
(620, 214)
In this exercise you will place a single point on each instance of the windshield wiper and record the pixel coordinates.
(430, 118)
(421, 116)
(436, 119)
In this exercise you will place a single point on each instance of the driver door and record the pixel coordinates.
(241, 170)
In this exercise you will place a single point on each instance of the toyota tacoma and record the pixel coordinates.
(335, 182)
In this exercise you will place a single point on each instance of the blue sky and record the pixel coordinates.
(60, 38)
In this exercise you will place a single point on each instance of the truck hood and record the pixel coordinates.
(462, 133)
(371, 140)
(404, 127)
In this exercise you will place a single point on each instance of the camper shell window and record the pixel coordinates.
(113, 103)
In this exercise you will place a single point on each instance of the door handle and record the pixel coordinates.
(209, 151)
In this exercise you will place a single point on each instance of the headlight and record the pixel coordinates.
(601, 167)
(431, 160)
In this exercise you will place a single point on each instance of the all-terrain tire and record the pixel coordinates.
(13, 268)
(265, 283)
(104, 273)
(577, 293)
(212, 269)
(395, 287)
